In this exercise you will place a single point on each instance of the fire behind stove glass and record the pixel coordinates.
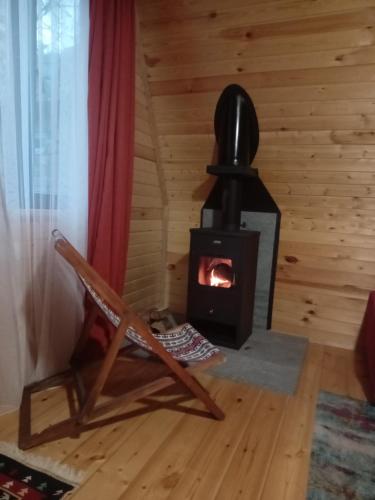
(216, 271)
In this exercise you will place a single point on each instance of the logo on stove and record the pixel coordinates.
(217, 242)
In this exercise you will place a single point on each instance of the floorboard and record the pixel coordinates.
(260, 451)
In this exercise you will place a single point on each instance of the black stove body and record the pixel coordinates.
(222, 309)
(224, 252)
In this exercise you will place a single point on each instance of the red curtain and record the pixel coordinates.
(111, 136)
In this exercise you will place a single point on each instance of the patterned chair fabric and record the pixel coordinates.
(184, 342)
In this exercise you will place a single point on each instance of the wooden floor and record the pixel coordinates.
(260, 451)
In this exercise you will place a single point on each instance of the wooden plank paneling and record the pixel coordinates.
(143, 287)
(231, 16)
(262, 44)
(309, 68)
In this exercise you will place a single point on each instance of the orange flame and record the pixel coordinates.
(217, 281)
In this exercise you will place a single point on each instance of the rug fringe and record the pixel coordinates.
(59, 471)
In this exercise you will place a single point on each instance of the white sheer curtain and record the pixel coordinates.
(43, 184)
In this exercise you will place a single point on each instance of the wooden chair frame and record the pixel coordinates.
(88, 409)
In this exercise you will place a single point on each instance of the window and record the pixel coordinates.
(38, 40)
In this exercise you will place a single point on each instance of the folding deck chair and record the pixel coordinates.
(182, 350)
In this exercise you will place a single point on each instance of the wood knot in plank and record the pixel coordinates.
(291, 259)
(151, 61)
(171, 481)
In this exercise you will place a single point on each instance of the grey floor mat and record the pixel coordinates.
(269, 359)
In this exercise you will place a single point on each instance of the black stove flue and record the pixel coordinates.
(237, 137)
(236, 128)
(220, 307)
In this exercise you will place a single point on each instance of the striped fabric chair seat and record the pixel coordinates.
(184, 342)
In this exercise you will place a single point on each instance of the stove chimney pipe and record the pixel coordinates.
(236, 128)
(237, 136)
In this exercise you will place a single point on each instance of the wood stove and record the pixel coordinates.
(224, 251)
(222, 273)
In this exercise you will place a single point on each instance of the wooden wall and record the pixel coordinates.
(144, 286)
(309, 68)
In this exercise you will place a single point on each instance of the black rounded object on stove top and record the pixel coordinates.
(236, 127)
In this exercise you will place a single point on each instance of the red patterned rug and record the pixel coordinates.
(24, 476)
